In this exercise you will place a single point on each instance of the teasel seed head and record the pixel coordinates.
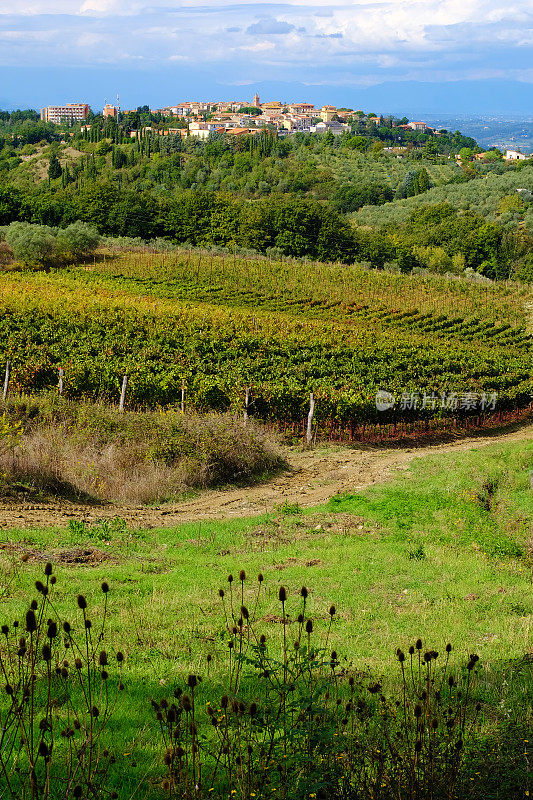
(282, 594)
(260, 577)
(48, 569)
(332, 611)
(242, 575)
(309, 626)
(418, 644)
(448, 648)
(221, 593)
(82, 602)
(31, 621)
(244, 612)
(230, 578)
(304, 592)
(105, 587)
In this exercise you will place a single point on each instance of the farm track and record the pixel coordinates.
(311, 478)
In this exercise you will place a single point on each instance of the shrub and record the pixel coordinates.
(77, 240)
(33, 245)
(40, 245)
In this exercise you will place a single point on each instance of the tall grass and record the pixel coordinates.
(93, 450)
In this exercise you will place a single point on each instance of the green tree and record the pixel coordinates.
(33, 245)
(54, 167)
(77, 240)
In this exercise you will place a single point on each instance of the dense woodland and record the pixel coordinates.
(334, 198)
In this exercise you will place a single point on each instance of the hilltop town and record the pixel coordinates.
(200, 118)
(203, 119)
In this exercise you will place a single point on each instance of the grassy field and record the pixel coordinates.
(442, 552)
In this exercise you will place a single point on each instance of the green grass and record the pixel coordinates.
(423, 555)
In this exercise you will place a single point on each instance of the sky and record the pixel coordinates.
(379, 55)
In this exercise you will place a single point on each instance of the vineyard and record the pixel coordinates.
(214, 326)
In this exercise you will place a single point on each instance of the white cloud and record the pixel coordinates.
(269, 26)
(365, 40)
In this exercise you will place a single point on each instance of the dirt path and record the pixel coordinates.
(312, 478)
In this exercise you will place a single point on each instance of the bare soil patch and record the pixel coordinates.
(75, 556)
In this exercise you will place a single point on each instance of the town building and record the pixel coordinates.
(327, 113)
(110, 111)
(417, 126)
(72, 112)
(515, 155)
(336, 128)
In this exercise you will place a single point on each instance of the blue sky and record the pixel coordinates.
(438, 55)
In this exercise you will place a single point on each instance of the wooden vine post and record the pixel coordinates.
(6, 380)
(183, 396)
(246, 404)
(309, 436)
(123, 393)
(61, 379)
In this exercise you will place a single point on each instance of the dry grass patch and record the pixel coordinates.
(92, 451)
